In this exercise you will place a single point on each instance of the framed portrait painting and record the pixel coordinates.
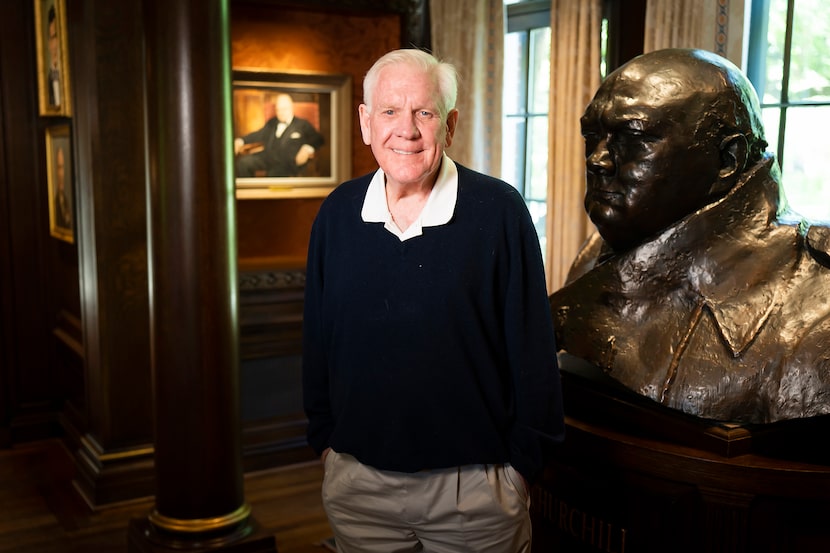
(52, 58)
(59, 178)
(292, 133)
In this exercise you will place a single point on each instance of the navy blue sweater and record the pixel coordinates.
(433, 352)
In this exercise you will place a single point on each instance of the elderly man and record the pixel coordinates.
(429, 364)
(699, 291)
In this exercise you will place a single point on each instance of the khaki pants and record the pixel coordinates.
(469, 509)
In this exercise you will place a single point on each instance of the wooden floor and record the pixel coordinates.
(39, 514)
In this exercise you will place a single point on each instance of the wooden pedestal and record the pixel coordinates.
(633, 477)
(143, 537)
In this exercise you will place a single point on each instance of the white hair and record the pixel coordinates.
(445, 75)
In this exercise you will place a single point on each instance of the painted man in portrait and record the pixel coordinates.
(53, 69)
(287, 143)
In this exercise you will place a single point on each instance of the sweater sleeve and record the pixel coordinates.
(316, 398)
(539, 418)
(311, 135)
(259, 135)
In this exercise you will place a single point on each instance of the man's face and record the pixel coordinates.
(404, 128)
(285, 109)
(646, 167)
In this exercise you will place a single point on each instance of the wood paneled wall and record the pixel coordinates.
(74, 338)
(38, 274)
(294, 40)
(273, 233)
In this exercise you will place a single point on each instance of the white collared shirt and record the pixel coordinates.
(437, 210)
(281, 126)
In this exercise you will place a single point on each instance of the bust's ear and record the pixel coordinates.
(733, 153)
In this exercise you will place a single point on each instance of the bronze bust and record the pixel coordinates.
(700, 289)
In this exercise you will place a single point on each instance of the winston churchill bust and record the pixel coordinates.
(700, 289)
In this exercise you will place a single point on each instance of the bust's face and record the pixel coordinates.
(646, 165)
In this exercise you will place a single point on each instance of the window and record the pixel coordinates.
(526, 94)
(786, 62)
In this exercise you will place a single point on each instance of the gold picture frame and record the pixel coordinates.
(54, 92)
(321, 107)
(61, 191)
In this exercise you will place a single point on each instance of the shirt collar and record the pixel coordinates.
(437, 211)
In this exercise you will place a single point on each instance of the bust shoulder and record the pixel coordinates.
(818, 244)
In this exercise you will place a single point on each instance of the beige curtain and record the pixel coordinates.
(714, 25)
(673, 24)
(575, 61)
(470, 35)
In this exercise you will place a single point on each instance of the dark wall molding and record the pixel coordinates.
(415, 21)
(68, 332)
(265, 280)
(270, 313)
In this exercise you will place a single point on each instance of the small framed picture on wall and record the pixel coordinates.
(292, 133)
(52, 58)
(59, 178)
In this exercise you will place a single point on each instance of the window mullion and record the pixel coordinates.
(785, 81)
(525, 101)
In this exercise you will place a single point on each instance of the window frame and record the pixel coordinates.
(756, 71)
(526, 16)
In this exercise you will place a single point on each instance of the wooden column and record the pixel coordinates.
(199, 491)
(107, 415)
